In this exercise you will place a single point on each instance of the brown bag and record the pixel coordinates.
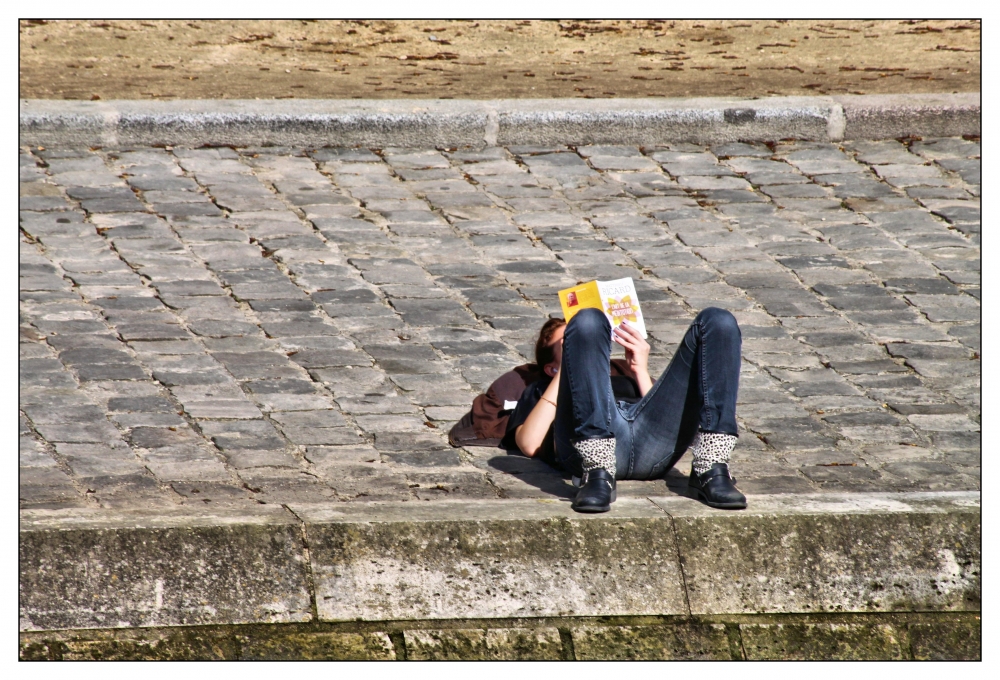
(486, 423)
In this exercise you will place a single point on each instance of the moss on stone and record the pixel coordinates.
(317, 646)
(505, 644)
(955, 640)
(827, 641)
(677, 641)
(871, 636)
(164, 644)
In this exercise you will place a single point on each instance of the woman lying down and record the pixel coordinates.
(603, 420)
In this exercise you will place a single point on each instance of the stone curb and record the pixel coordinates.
(667, 556)
(447, 123)
(821, 637)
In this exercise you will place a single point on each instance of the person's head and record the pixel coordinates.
(548, 348)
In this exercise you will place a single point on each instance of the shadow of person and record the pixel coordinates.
(535, 473)
(677, 482)
(559, 484)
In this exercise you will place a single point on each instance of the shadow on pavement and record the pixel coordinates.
(677, 482)
(535, 473)
(546, 478)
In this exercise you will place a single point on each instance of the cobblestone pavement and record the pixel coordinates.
(273, 325)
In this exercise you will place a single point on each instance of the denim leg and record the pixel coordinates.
(697, 390)
(586, 408)
(585, 375)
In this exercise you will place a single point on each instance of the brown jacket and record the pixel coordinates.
(486, 423)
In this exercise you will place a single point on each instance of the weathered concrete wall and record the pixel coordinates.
(677, 575)
(847, 553)
(882, 554)
(113, 570)
(851, 636)
(464, 560)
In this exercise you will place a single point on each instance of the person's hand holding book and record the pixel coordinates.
(636, 353)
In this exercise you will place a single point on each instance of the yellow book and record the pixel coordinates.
(617, 299)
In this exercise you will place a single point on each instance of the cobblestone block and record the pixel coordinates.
(945, 369)
(243, 459)
(946, 307)
(240, 435)
(422, 457)
(222, 408)
(110, 372)
(283, 486)
(949, 423)
(161, 437)
(45, 483)
(143, 404)
(94, 432)
(845, 275)
(430, 485)
(130, 420)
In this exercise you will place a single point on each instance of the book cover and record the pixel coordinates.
(617, 299)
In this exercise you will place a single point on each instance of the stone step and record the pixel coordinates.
(867, 554)
(419, 123)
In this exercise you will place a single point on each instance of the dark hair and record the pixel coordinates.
(544, 354)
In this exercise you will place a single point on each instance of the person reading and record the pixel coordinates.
(604, 420)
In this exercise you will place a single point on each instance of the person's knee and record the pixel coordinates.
(589, 321)
(719, 320)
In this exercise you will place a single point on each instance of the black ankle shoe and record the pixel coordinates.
(597, 492)
(716, 487)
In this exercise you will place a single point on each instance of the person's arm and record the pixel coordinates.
(636, 355)
(530, 434)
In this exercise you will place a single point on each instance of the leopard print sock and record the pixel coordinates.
(709, 448)
(597, 453)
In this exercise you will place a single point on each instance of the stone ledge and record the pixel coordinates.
(861, 553)
(915, 636)
(445, 123)
(893, 116)
(106, 569)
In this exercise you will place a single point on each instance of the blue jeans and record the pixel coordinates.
(696, 391)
